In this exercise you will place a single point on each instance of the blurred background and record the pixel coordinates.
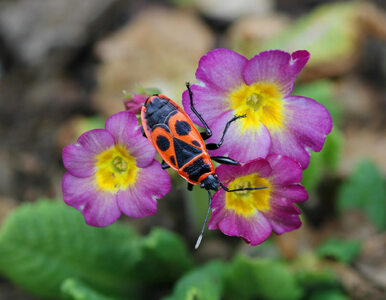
(64, 65)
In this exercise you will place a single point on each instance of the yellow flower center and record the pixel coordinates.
(261, 103)
(247, 202)
(116, 169)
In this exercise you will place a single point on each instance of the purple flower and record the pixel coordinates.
(135, 103)
(112, 171)
(253, 215)
(260, 88)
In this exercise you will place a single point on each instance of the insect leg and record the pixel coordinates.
(164, 165)
(242, 189)
(224, 160)
(190, 186)
(208, 133)
(213, 146)
(203, 226)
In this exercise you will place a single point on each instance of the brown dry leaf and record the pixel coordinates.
(372, 263)
(358, 287)
(359, 101)
(363, 143)
(160, 48)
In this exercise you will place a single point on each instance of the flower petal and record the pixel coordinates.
(98, 208)
(210, 103)
(276, 66)
(239, 144)
(284, 170)
(139, 200)
(96, 141)
(294, 192)
(259, 166)
(307, 124)
(126, 131)
(221, 69)
(77, 191)
(308, 120)
(78, 161)
(254, 229)
(283, 215)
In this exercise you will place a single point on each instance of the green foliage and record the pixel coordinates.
(328, 33)
(313, 276)
(204, 283)
(328, 295)
(75, 289)
(162, 250)
(43, 244)
(332, 150)
(344, 251)
(260, 279)
(365, 190)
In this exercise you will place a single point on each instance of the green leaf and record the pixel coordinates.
(328, 295)
(314, 173)
(312, 275)
(76, 290)
(45, 243)
(260, 279)
(365, 190)
(164, 257)
(344, 251)
(204, 283)
(328, 33)
(332, 150)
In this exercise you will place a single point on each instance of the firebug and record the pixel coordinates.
(172, 133)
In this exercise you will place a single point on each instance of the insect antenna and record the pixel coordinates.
(203, 226)
(242, 189)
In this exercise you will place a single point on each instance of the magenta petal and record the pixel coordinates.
(295, 192)
(241, 145)
(102, 210)
(210, 103)
(77, 191)
(308, 120)
(78, 161)
(276, 66)
(221, 69)
(122, 126)
(98, 208)
(126, 131)
(307, 124)
(139, 200)
(288, 224)
(258, 166)
(254, 229)
(96, 141)
(284, 170)
(283, 215)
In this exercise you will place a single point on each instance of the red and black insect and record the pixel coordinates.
(182, 147)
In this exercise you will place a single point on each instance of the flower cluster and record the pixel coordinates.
(111, 171)
(272, 142)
